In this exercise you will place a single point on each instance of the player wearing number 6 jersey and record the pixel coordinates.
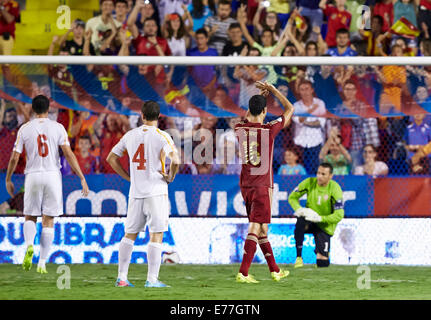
(43, 194)
(256, 141)
(147, 147)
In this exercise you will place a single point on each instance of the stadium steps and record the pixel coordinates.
(39, 23)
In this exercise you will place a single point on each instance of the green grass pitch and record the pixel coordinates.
(217, 282)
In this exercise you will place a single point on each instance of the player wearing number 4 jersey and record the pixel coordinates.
(43, 194)
(148, 148)
(256, 141)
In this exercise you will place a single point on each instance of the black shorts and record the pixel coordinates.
(321, 238)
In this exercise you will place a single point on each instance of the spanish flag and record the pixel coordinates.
(300, 22)
(404, 28)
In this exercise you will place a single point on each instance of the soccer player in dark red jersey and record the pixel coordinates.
(256, 141)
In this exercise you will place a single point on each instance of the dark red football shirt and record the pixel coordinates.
(256, 145)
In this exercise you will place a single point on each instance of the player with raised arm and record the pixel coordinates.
(43, 193)
(324, 210)
(148, 148)
(256, 141)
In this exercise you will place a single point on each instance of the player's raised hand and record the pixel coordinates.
(85, 189)
(10, 187)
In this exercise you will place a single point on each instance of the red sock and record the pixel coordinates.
(265, 246)
(249, 251)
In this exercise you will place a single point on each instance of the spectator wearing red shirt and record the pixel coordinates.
(150, 45)
(113, 129)
(9, 13)
(8, 133)
(424, 16)
(385, 9)
(338, 18)
(89, 164)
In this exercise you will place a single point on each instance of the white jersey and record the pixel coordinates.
(144, 146)
(41, 138)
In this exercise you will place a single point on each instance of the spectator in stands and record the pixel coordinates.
(291, 166)
(121, 11)
(270, 21)
(267, 45)
(301, 30)
(342, 47)
(167, 7)
(109, 131)
(232, 48)
(88, 163)
(424, 17)
(218, 25)
(200, 11)
(103, 26)
(151, 45)
(394, 81)
(8, 133)
(338, 18)
(335, 153)
(372, 166)
(372, 35)
(309, 131)
(418, 135)
(227, 159)
(247, 76)
(177, 33)
(204, 143)
(385, 9)
(141, 11)
(406, 9)
(203, 76)
(9, 13)
(311, 10)
(75, 46)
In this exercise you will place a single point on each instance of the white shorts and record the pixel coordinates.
(43, 194)
(153, 212)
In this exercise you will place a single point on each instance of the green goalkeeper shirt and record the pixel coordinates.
(326, 201)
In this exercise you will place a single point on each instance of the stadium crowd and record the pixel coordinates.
(367, 145)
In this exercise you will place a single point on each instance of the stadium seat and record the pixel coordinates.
(39, 23)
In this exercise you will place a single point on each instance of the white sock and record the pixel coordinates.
(124, 256)
(29, 232)
(45, 244)
(154, 257)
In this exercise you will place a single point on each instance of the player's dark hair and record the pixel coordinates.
(85, 137)
(202, 31)
(40, 104)
(122, 1)
(151, 110)
(256, 104)
(234, 25)
(224, 2)
(327, 165)
(342, 31)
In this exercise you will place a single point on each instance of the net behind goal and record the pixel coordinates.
(348, 111)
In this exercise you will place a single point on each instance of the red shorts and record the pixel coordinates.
(258, 201)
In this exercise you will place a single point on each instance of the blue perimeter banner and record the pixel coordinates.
(200, 195)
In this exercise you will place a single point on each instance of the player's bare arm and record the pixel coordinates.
(174, 166)
(13, 161)
(71, 159)
(114, 162)
(287, 105)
